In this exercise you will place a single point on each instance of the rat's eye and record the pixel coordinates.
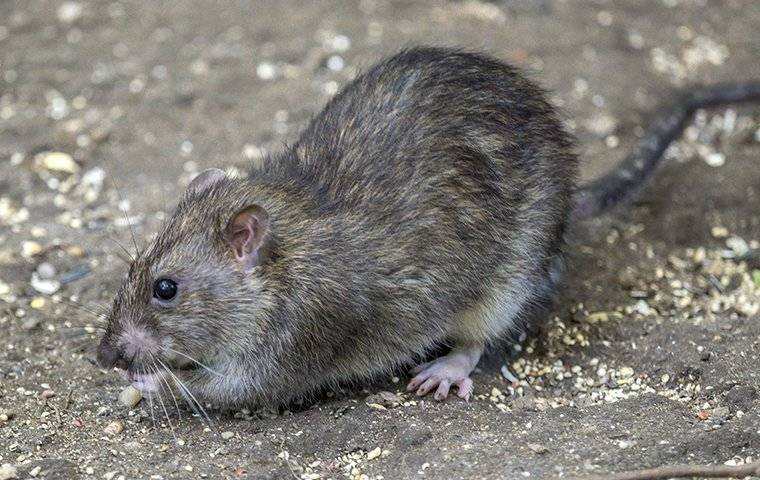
(164, 289)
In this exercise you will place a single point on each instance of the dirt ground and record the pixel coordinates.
(651, 359)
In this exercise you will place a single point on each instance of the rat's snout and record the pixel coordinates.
(110, 356)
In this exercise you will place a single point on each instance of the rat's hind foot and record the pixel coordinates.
(443, 372)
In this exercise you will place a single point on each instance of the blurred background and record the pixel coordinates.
(111, 106)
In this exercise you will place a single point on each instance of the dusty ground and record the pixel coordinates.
(652, 357)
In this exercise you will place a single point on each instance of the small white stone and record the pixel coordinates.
(57, 161)
(373, 454)
(45, 287)
(604, 18)
(70, 12)
(8, 472)
(114, 428)
(635, 40)
(715, 159)
(46, 271)
(265, 71)
(30, 248)
(130, 396)
(738, 246)
(335, 63)
(227, 435)
(340, 43)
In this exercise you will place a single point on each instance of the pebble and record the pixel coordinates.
(602, 124)
(8, 472)
(130, 396)
(625, 372)
(384, 400)
(266, 71)
(30, 324)
(57, 162)
(6, 416)
(37, 303)
(227, 435)
(537, 448)
(45, 287)
(30, 248)
(721, 412)
(738, 246)
(47, 394)
(114, 428)
(715, 159)
(74, 251)
(373, 454)
(91, 184)
(719, 232)
(70, 12)
(598, 317)
(5, 289)
(335, 63)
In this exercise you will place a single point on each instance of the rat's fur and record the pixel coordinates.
(425, 205)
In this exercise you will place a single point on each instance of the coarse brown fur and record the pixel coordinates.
(425, 205)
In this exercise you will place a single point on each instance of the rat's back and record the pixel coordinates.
(430, 118)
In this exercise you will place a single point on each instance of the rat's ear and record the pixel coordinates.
(245, 233)
(204, 180)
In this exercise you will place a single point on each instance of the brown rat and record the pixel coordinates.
(424, 206)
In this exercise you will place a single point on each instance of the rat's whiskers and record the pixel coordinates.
(126, 218)
(188, 395)
(205, 367)
(171, 391)
(163, 406)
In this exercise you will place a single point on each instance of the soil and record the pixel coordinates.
(651, 357)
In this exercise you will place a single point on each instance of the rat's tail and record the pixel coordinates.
(628, 177)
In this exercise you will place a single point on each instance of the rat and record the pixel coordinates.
(425, 206)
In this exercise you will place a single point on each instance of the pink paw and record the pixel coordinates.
(440, 374)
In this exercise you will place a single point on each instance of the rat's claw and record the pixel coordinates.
(464, 389)
(442, 391)
(427, 386)
(415, 383)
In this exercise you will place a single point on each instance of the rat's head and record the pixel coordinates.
(188, 306)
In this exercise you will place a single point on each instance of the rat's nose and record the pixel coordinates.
(110, 357)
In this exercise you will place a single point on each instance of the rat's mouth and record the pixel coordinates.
(148, 383)
(145, 382)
